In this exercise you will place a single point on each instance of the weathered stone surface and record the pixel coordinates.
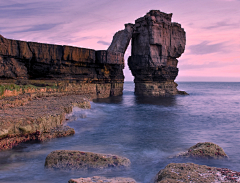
(205, 150)
(156, 43)
(156, 89)
(11, 68)
(109, 57)
(189, 172)
(9, 141)
(69, 159)
(60, 131)
(100, 179)
(78, 54)
(121, 39)
(36, 118)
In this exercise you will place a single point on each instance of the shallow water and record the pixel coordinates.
(146, 130)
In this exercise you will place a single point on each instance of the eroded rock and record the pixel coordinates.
(156, 43)
(205, 150)
(190, 172)
(70, 159)
(121, 39)
(34, 61)
(36, 119)
(100, 179)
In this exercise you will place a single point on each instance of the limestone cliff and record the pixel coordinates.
(156, 45)
(101, 70)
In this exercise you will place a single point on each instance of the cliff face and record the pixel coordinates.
(156, 45)
(101, 70)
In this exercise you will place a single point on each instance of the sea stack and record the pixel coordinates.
(156, 44)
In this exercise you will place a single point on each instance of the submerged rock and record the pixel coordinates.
(205, 150)
(69, 159)
(190, 172)
(99, 179)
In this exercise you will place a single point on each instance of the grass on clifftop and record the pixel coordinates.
(24, 87)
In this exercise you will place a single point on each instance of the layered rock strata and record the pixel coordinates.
(101, 70)
(69, 159)
(156, 44)
(121, 39)
(37, 119)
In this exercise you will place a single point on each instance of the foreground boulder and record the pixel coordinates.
(99, 179)
(70, 159)
(156, 44)
(190, 172)
(205, 150)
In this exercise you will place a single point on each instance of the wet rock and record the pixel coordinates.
(205, 150)
(99, 179)
(70, 159)
(36, 119)
(189, 172)
(60, 131)
(83, 116)
(10, 141)
(156, 44)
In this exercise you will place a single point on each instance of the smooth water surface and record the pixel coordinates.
(146, 130)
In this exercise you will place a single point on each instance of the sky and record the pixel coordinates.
(212, 29)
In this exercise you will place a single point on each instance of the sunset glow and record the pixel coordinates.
(212, 28)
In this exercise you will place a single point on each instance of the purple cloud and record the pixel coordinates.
(222, 24)
(104, 43)
(206, 48)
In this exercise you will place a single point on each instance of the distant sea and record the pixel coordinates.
(148, 131)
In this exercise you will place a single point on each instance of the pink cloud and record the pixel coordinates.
(208, 24)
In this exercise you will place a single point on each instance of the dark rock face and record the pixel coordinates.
(156, 43)
(30, 60)
(121, 39)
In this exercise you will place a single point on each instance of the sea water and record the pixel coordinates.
(148, 131)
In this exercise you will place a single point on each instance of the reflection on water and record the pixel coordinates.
(146, 130)
(110, 100)
(164, 101)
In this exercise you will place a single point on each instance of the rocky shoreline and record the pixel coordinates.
(37, 117)
(31, 113)
(41, 116)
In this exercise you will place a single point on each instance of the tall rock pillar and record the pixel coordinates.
(156, 45)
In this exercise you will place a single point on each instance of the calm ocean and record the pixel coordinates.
(146, 130)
